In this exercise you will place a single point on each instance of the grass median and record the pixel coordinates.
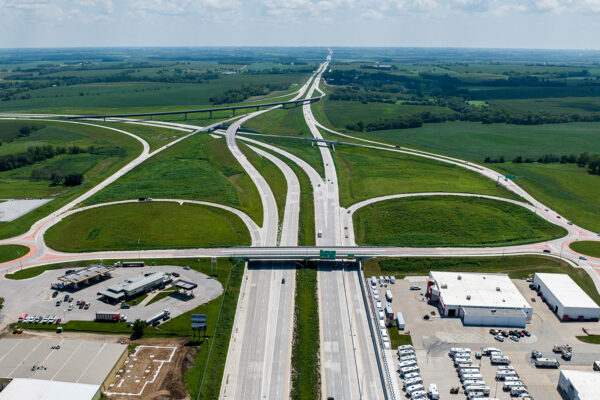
(306, 377)
(586, 247)
(9, 252)
(450, 221)
(517, 267)
(147, 225)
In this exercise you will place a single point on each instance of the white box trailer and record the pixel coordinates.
(473, 382)
(502, 375)
(471, 376)
(502, 360)
(543, 362)
(418, 395)
(463, 361)
(454, 350)
(468, 371)
(461, 355)
(475, 395)
(400, 321)
(487, 350)
(406, 370)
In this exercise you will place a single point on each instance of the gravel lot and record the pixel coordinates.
(34, 296)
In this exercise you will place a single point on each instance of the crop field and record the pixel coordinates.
(447, 221)
(342, 113)
(112, 151)
(551, 105)
(589, 248)
(366, 173)
(199, 168)
(566, 188)
(475, 141)
(137, 96)
(145, 225)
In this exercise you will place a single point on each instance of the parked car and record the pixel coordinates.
(514, 337)
(55, 293)
(499, 338)
(415, 287)
(87, 305)
(70, 307)
(526, 332)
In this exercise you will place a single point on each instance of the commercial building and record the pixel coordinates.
(578, 385)
(565, 297)
(44, 368)
(133, 287)
(89, 274)
(479, 299)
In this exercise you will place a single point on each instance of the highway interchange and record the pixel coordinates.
(258, 362)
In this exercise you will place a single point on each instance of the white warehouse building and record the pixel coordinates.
(479, 299)
(578, 385)
(565, 297)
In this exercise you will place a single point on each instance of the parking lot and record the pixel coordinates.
(34, 296)
(433, 338)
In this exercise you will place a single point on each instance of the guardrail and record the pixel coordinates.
(368, 300)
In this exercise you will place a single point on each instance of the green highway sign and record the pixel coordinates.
(327, 254)
(510, 176)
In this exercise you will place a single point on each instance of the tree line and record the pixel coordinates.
(35, 154)
(241, 94)
(591, 161)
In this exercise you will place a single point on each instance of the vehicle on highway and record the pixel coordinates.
(282, 281)
(546, 251)
(320, 234)
(582, 257)
(569, 223)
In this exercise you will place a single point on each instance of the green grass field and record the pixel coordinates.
(449, 221)
(306, 377)
(588, 248)
(565, 188)
(96, 167)
(125, 97)
(10, 252)
(591, 339)
(156, 225)
(155, 136)
(582, 105)
(366, 173)
(397, 339)
(342, 113)
(272, 175)
(289, 122)
(475, 141)
(518, 267)
(198, 168)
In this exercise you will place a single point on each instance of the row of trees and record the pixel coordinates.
(35, 154)
(592, 162)
(57, 176)
(246, 91)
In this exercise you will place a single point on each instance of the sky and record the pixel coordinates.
(548, 24)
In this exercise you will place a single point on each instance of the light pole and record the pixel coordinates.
(138, 249)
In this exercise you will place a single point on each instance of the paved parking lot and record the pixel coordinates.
(434, 337)
(34, 296)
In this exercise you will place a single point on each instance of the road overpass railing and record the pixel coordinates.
(202, 110)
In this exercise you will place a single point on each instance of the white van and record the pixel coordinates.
(392, 279)
(373, 281)
(384, 332)
(414, 388)
(434, 393)
(388, 295)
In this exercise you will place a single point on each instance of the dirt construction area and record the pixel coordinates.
(153, 371)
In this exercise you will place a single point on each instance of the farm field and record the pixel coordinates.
(588, 248)
(566, 188)
(447, 221)
(111, 151)
(126, 97)
(475, 141)
(199, 168)
(365, 173)
(155, 225)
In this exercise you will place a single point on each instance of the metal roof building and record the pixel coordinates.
(565, 297)
(134, 286)
(36, 389)
(457, 292)
(579, 385)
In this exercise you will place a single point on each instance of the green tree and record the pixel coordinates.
(138, 328)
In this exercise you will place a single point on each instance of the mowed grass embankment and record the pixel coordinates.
(155, 225)
(476, 141)
(156, 136)
(587, 247)
(9, 252)
(209, 362)
(197, 168)
(306, 377)
(366, 173)
(450, 221)
(517, 267)
(567, 189)
(288, 122)
(112, 151)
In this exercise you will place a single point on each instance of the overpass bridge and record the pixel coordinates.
(283, 104)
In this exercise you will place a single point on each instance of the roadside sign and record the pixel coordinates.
(199, 322)
(327, 254)
(510, 176)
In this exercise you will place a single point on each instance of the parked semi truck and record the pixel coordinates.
(108, 316)
(163, 315)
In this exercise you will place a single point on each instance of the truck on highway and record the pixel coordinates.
(320, 234)
(108, 316)
(544, 362)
